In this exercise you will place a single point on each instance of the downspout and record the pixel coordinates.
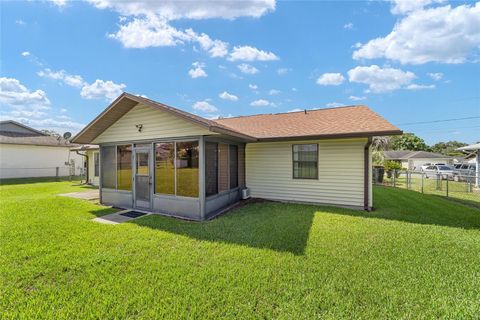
(86, 169)
(366, 176)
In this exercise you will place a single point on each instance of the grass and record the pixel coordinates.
(416, 256)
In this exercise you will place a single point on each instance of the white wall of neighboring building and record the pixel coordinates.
(26, 161)
(92, 178)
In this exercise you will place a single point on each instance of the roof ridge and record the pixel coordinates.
(293, 112)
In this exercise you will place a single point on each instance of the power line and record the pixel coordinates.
(445, 129)
(437, 121)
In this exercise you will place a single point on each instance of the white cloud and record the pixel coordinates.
(262, 103)
(63, 110)
(274, 92)
(247, 68)
(20, 22)
(415, 86)
(15, 94)
(59, 3)
(63, 117)
(147, 23)
(295, 110)
(441, 34)
(248, 53)
(437, 76)
(228, 96)
(381, 79)
(102, 90)
(294, 89)
(71, 80)
(355, 98)
(253, 86)
(334, 104)
(282, 71)
(46, 123)
(348, 26)
(25, 53)
(203, 9)
(407, 6)
(204, 106)
(215, 48)
(197, 71)
(330, 79)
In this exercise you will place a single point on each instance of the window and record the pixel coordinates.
(109, 176)
(211, 168)
(176, 166)
(186, 168)
(305, 161)
(233, 157)
(124, 167)
(96, 164)
(165, 168)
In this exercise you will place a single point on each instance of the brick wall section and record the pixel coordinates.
(241, 166)
(223, 167)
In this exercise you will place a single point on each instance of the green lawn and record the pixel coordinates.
(416, 256)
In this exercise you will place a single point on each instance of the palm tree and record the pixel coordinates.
(379, 144)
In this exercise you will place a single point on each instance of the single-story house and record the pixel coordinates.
(414, 160)
(161, 159)
(474, 149)
(26, 152)
(91, 152)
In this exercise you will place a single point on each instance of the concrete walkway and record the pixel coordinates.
(116, 218)
(92, 194)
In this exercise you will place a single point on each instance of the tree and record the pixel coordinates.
(52, 133)
(408, 141)
(379, 144)
(448, 148)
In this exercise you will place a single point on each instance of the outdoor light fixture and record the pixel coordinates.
(139, 127)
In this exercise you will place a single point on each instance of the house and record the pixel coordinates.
(161, 159)
(414, 160)
(91, 153)
(26, 152)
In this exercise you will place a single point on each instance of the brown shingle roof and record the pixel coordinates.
(343, 121)
(8, 137)
(354, 121)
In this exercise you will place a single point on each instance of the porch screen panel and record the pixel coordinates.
(223, 167)
(124, 167)
(211, 168)
(96, 164)
(233, 157)
(187, 168)
(165, 168)
(108, 168)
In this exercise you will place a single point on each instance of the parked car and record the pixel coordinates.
(431, 164)
(441, 171)
(464, 172)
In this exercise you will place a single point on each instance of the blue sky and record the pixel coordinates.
(62, 61)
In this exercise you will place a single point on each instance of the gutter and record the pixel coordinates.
(366, 176)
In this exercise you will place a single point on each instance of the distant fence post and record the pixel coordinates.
(447, 186)
(422, 181)
(438, 182)
(57, 169)
(394, 176)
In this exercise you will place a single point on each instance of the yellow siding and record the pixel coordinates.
(341, 172)
(156, 124)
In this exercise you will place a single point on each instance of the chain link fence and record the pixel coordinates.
(458, 186)
(59, 173)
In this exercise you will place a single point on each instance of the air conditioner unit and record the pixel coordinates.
(245, 193)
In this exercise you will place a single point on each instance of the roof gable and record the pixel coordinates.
(16, 127)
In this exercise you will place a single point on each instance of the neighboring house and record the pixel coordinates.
(91, 153)
(161, 159)
(26, 152)
(414, 160)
